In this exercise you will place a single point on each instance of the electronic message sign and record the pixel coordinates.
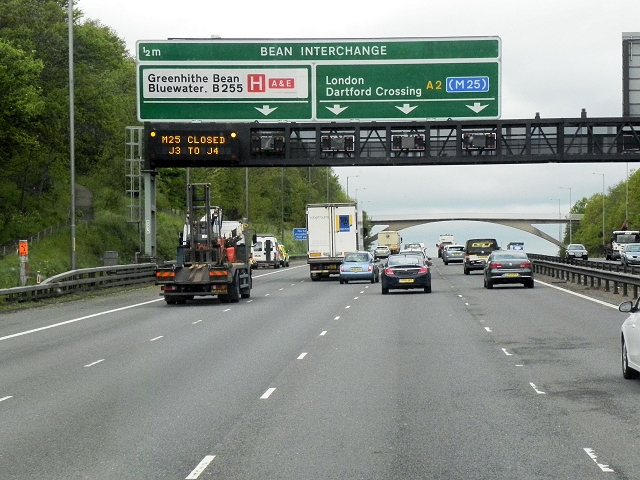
(318, 80)
(185, 145)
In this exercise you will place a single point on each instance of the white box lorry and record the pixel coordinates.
(332, 231)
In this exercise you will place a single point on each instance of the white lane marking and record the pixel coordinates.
(539, 392)
(355, 298)
(323, 333)
(226, 309)
(157, 338)
(195, 473)
(337, 318)
(487, 329)
(362, 291)
(267, 294)
(348, 306)
(594, 457)
(94, 363)
(27, 332)
(460, 296)
(197, 321)
(281, 289)
(606, 304)
(506, 353)
(302, 355)
(519, 365)
(6, 398)
(249, 301)
(275, 272)
(267, 394)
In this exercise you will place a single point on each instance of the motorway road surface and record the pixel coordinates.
(317, 380)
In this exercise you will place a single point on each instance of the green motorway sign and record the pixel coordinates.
(318, 80)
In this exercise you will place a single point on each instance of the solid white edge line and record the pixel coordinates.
(606, 304)
(267, 394)
(200, 468)
(5, 398)
(27, 332)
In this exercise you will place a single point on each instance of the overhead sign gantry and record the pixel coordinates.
(396, 79)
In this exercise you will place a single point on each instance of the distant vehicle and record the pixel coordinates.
(332, 232)
(630, 254)
(515, 246)
(413, 246)
(508, 266)
(619, 238)
(453, 253)
(476, 251)
(381, 251)
(265, 250)
(576, 251)
(406, 271)
(630, 339)
(359, 266)
(391, 239)
(444, 239)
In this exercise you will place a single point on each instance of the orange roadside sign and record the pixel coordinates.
(23, 248)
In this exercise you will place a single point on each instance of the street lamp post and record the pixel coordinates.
(348, 177)
(594, 173)
(559, 217)
(570, 204)
(364, 188)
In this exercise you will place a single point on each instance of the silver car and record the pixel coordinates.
(631, 254)
(453, 253)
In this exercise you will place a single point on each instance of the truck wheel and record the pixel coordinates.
(234, 290)
(170, 301)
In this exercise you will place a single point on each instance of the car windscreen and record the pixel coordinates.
(510, 256)
(632, 248)
(455, 249)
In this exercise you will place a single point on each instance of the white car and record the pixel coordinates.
(630, 339)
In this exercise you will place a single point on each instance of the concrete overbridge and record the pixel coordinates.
(395, 223)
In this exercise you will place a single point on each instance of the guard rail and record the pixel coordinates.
(82, 280)
(594, 274)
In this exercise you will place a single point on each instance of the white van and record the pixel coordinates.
(265, 251)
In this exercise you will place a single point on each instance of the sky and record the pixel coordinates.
(558, 57)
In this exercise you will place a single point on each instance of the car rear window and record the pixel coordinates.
(356, 257)
(405, 260)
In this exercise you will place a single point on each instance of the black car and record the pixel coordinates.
(577, 251)
(508, 266)
(406, 271)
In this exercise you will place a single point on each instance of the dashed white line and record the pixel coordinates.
(281, 289)
(487, 329)
(94, 363)
(200, 468)
(355, 298)
(267, 394)
(323, 333)
(302, 355)
(226, 310)
(594, 457)
(348, 306)
(539, 392)
(157, 338)
(6, 398)
(197, 321)
(506, 353)
(266, 294)
(337, 318)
